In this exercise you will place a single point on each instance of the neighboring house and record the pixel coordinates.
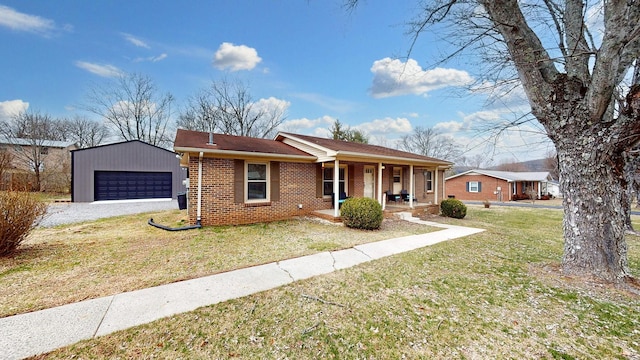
(19, 159)
(126, 170)
(496, 185)
(553, 188)
(239, 180)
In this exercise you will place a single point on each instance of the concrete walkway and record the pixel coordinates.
(42, 331)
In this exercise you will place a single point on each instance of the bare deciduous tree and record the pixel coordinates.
(576, 88)
(228, 107)
(429, 142)
(29, 133)
(551, 164)
(83, 132)
(133, 107)
(478, 161)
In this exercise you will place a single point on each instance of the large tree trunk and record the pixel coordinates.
(594, 191)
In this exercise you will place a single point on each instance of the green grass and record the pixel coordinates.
(83, 261)
(497, 294)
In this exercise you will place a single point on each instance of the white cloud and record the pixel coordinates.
(469, 121)
(303, 125)
(151, 58)
(271, 104)
(235, 57)
(392, 77)
(135, 41)
(103, 70)
(386, 126)
(12, 107)
(24, 22)
(159, 57)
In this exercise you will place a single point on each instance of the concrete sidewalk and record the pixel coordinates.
(42, 331)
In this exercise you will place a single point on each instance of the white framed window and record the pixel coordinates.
(473, 186)
(256, 184)
(428, 181)
(327, 180)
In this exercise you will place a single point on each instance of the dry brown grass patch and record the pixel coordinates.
(71, 263)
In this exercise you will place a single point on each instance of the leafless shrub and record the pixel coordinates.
(20, 213)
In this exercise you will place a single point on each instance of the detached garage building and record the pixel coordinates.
(126, 170)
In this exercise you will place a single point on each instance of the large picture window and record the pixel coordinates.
(327, 180)
(257, 184)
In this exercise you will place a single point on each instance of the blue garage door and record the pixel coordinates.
(121, 185)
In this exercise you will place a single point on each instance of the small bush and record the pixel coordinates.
(453, 208)
(20, 213)
(361, 213)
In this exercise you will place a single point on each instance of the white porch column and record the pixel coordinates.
(539, 189)
(336, 188)
(380, 168)
(435, 188)
(411, 184)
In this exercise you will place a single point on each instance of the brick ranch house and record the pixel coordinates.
(492, 185)
(240, 180)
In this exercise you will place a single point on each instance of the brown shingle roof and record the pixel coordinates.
(199, 140)
(364, 149)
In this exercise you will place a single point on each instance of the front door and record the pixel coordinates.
(369, 188)
(397, 180)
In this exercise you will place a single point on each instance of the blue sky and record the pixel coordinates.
(313, 58)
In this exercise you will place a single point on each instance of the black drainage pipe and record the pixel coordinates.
(163, 227)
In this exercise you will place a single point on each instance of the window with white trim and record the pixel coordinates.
(474, 186)
(327, 180)
(257, 181)
(428, 181)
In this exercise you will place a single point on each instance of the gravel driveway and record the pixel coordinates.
(67, 213)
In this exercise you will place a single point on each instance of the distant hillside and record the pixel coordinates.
(531, 165)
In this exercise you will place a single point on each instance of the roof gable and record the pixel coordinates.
(330, 148)
(123, 143)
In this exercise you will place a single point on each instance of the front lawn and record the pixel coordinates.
(492, 295)
(71, 263)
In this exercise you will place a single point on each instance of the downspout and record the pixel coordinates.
(199, 211)
(381, 199)
(411, 184)
(198, 224)
(336, 188)
(435, 189)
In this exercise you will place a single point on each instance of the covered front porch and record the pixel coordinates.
(395, 185)
(392, 177)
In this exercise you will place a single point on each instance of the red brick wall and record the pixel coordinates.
(297, 186)
(458, 187)
(424, 196)
(358, 180)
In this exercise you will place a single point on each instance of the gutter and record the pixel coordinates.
(236, 154)
(348, 155)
